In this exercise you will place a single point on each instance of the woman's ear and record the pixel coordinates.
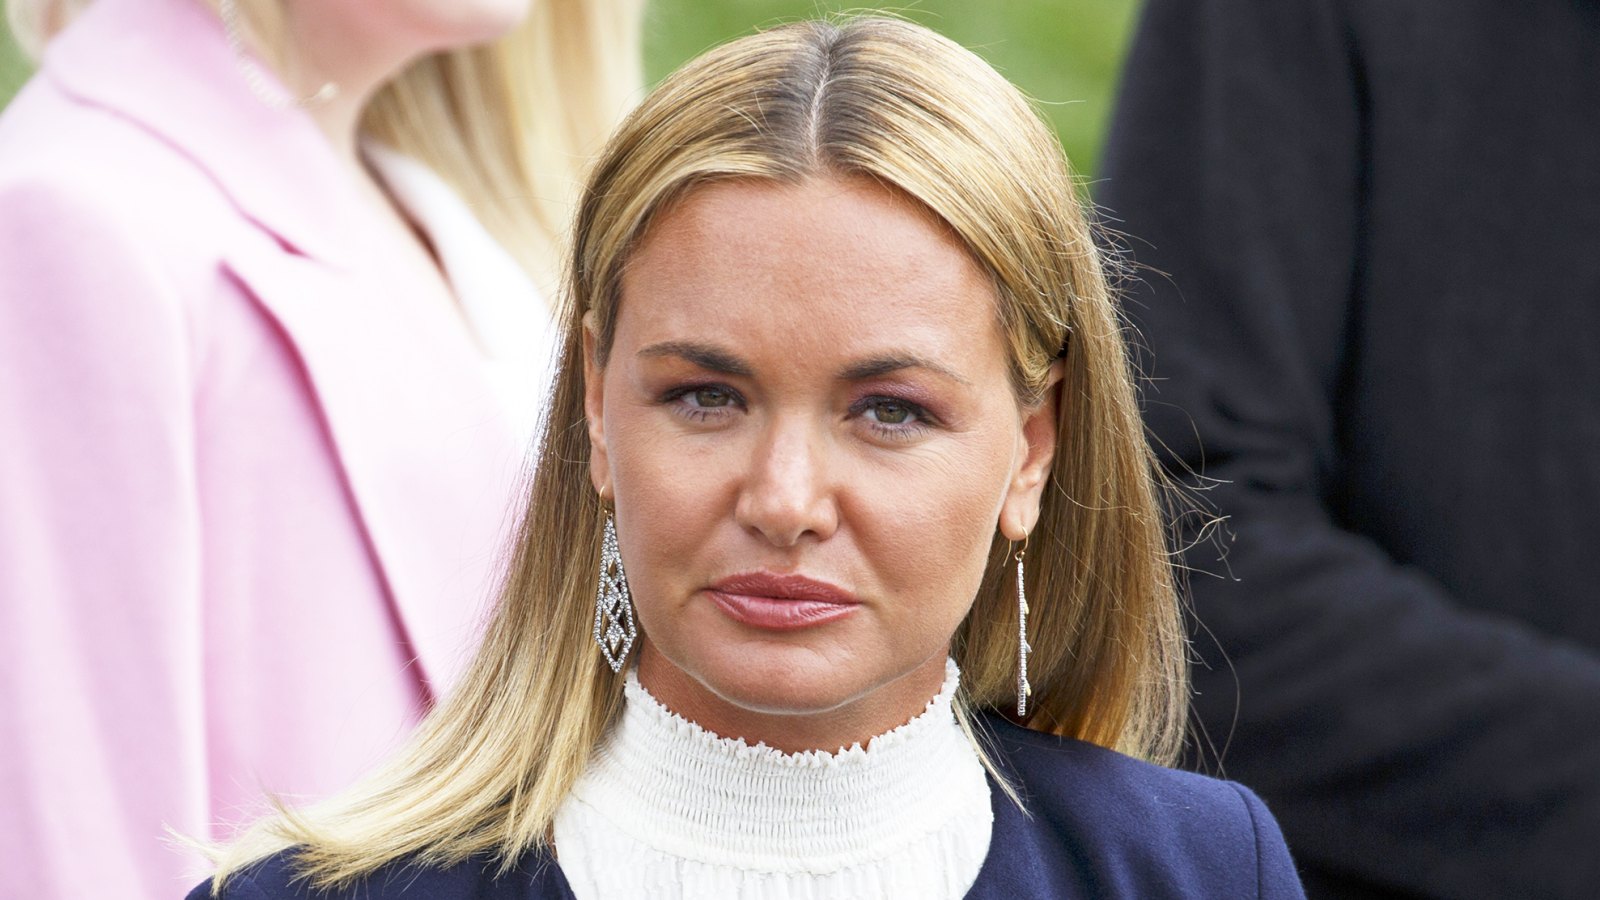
(1020, 510)
(594, 405)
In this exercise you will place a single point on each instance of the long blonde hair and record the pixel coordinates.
(867, 97)
(510, 125)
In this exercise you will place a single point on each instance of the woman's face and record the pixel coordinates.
(809, 431)
(445, 24)
(337, 37)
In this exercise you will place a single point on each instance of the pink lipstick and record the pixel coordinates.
(780, 602)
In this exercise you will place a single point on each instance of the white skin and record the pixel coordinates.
(361, 45)
(808, 379)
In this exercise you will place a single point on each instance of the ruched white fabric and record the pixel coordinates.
(667, 809)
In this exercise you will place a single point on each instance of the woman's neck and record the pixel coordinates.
(322, 67)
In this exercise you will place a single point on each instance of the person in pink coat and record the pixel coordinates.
(273, 343)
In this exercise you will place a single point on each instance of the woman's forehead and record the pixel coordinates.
(816, 213)
(820, 264)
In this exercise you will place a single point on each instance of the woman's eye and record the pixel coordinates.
(710, 397)
(890, 412)
(703, 402)
(892, 418)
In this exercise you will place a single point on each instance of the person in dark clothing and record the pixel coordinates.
(1370, 296)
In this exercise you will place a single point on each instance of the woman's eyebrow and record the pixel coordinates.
(716, 359)
(875, 366)
(706, 356)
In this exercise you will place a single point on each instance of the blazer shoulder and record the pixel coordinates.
(97, 213)
(533, 877)
(53, 145)
(1136, 823)
(1040, 760)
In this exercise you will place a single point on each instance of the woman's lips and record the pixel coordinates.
(780, 602)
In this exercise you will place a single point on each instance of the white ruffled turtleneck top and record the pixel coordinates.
(667, 809)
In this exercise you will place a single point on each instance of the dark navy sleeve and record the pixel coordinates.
(1275, 873)
(534, 877)
(275, 878)
(240, 887)
(1097, 824)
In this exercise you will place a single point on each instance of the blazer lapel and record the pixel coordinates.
(424, 446)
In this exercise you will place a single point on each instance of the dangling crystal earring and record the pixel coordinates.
(1023, 688)
(614, 628)
(259, 83)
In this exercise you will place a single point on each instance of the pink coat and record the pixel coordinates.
(254, 486)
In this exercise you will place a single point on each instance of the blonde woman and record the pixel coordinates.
(276, 331)
(844, 572)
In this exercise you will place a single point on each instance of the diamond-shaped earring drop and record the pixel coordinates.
(614, 627)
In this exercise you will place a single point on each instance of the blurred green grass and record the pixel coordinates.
(13, 67)
(1063, 53)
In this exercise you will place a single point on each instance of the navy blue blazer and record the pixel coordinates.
(1098, 825)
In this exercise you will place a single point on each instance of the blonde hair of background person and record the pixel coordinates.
(489, 767)
(509, 125)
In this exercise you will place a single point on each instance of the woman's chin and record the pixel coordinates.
(769, 679)
(787, 695)
(786, 698)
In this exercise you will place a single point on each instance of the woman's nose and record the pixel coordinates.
(789, 492)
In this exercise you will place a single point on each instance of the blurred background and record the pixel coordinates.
(1063, 53)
